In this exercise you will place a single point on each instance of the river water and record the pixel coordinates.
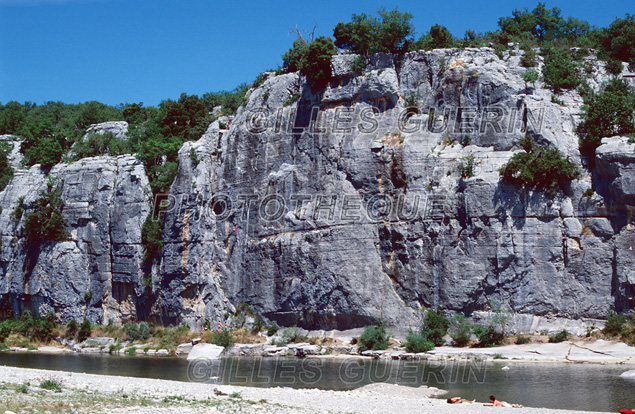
(586, 387)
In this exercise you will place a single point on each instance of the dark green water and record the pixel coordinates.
(568, 386)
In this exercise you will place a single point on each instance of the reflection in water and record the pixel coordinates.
(570, 386)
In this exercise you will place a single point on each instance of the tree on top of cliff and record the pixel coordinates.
(543, 24)
(367, 34)
(437, 38)
(618, 40)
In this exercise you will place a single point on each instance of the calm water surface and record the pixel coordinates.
(570, 386)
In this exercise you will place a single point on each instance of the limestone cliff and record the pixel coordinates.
(330, 209)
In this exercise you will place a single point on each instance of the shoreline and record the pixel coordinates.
(104, 394)
(569, 352)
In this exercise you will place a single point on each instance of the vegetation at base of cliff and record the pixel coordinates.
(539, 167)
(374, 337)
(22, 331)
(606, 114)
(430, 334)
(44, 221)
(460, 330)
(620, 326)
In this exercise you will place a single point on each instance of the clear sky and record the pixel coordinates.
(120, 51)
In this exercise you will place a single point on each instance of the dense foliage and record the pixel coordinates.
(317, 64)
(417, 342)
(151, 234)
(374, 337)
(608, 113)
(539, 167)
(616, 324)
(560, 71)
(488, 336)
(44, 221)
(460, 330)
(434, 327)
(390, 32)
(6, 171)
(35, 329)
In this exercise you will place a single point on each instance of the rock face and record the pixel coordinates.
(118, 129)
(345, 206)
(96, 273)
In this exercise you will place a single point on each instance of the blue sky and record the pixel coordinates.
(119, 51)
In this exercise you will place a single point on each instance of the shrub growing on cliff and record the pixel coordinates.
(608, 113)
(439, 37)
(530, 76)
(45, 223)
(151, 238)
(374, 337)
(293, 59)
(6, 171)
(560, 71)
(539, 167)
(618, 40)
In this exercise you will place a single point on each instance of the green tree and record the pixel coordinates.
(374, 337)
(417, 342)
(608, 113)
(435, 326)
(151, 238)
(366, 34)
(530, 76)
(543, 24)
(317, 66)
(294, 58)
(12, 115)
(45, 223)
(85, 329)
(439, 37)
(618, 40)
(395, 30)
(460, 329)
(6, 170)
(186, 118)
(359, 35)
(560, 71)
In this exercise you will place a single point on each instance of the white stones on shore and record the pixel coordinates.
(628, 374)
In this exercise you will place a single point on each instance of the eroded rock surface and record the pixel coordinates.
(343, 206)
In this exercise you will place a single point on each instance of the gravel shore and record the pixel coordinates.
(88, 393)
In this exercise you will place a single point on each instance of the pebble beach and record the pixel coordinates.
(89, 393)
